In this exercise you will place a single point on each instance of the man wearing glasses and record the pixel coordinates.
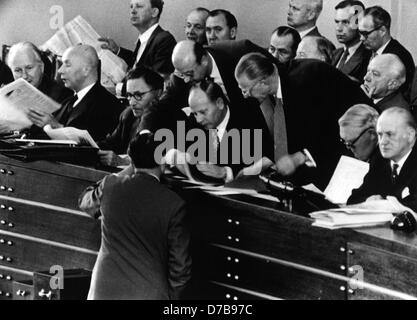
(374, 28)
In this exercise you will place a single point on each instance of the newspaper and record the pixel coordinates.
(78, 30)
(17, 98)
(70, 133)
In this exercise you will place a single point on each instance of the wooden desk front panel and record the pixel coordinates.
(7, 277)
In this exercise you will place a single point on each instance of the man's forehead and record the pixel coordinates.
(282, 41)
(216, 20)
(196, 17)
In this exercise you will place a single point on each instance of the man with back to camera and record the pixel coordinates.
(395, 174)
(195, 25)
(92, 107)
(353, 58)
(303, 16)
(221, 25)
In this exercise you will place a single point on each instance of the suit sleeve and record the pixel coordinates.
(127, 56)
(162, 56)
(179, 258)
(90, 199)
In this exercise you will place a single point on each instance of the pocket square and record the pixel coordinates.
(405, 193)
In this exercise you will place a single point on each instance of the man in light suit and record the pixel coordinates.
(374, 28)
(353, 58)
(92, 107)
(303, 16)
(144, 253)
(154, 45)
(395, 173)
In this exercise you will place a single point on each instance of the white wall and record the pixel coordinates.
(29, 19)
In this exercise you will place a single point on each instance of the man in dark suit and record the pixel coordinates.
(154, 45)
(92, 108)
(194, 63)
(382, 83)
(395, 173)
(284, 43)
(374, 28)
(303, 16)
(144, 253)
(221, 25)
(353, 58)
(195, 25)
(312, 95)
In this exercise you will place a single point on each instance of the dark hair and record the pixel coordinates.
(199, 52)
(230, 18)
(142, 151)
(152, 79)
(254, 66)
(349, 3)
(326, 48)
(212, 90)
(380, 16)
(283, 31)
(201, 9)
(159, 4)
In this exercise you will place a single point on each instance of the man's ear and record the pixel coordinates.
(155, 12)
(220, 103)
(393, 84)
(233, 33)
(311, 15)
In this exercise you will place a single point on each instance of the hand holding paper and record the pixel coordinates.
(70, 133)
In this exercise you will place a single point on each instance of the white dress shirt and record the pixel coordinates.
(144, 38)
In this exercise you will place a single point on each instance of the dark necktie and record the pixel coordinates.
(280, 130)
(68, 107)
(342, 61)
(394, 173)
(135, 53)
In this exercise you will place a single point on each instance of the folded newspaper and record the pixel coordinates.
(71, 134)
(78, 30)
(16, 100)
(365, 214)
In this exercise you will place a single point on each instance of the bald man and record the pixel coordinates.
(383, 80)
(395, 173)
(92, 107)
(195, 25)
(303, 16)
(194, 63)
(319, 48)
(25, 61)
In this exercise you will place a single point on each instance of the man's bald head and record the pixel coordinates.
(386, 74)
(191, 61)
(396, 129)
(25, 61)
(80, 67)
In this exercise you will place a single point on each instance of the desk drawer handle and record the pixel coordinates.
(10, 225)
(21, 293)
(1, 258)
(3, 222)
(44, 294)
(2, 171)
(9, 243)
(8, 259)
(3, 188)
(9, 278)
(2, 206)
(10, 172)
(10, 189)
(10, 209)
(1, 276)
(2, 241)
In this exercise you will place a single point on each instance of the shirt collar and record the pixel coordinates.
(305, 32)
(221, 128)
(144, 37)
(82, 93)
(401, 162)
(381, 50)
(279, 90)
(353, 49)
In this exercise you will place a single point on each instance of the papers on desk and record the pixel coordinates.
(16, 100)
(348, 175)
(71, 133)
(78, 30)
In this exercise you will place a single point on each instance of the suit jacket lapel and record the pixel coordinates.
(407, 172)
(82, 106)
(149, 44)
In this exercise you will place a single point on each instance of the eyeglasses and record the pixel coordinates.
(247, 92)
(366, 34)
(137, 95)
(351, 145)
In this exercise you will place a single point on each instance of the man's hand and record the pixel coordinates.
(41, 119)
(109, 44)
(110, 159)
(287, 164)
(212, 170)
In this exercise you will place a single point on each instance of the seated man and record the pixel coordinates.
(226, 147)
(92, 108)
(25, 61)
(195, 25)
(395, 173)
(144, 251)
(284, 43)
(220, 25)
(312, 47)
(383, 81)
(144, 88)
(357, 129)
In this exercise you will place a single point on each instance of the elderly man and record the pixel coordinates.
(395, 173)
(25, 61)
(303, 16)
(220, 25)
(92, 107)
(382, 82)
(357, 129)
(307, 100)
(374, 28)
(353, 58)
(319, 48)
(195, 25)
(284, 43)
(154, 45)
